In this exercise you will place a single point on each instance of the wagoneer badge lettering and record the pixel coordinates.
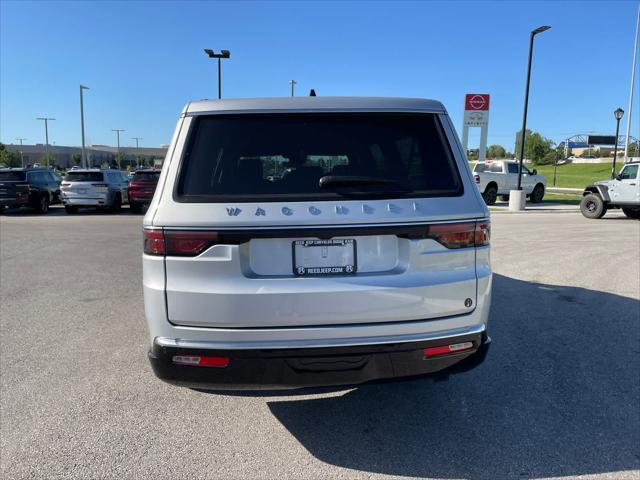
(314, 211)
(287, 211)
(233, 212)
(367, 209)
(340, 210)
(260, 212)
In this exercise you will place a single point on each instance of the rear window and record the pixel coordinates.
(83, 177)
(146, 176)
(275, 157)
(12, 176)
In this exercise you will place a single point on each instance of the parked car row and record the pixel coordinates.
(38, 188)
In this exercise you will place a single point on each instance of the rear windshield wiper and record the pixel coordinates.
(332, 181)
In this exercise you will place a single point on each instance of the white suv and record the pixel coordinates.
(94, 188)
(315, 241)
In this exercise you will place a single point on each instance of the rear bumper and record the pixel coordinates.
(13, 202)
(274, 369)
(86, 201)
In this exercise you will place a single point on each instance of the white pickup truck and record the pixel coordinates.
(497, 177)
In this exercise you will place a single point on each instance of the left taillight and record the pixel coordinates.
(177, 243)
(153, 240)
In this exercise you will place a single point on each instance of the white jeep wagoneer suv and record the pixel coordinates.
(315, 241)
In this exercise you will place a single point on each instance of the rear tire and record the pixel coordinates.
(70, 209)
(117, 204)
(592, 206)
(43, 204)
(490, 195)
(538, 194)
(632, 212)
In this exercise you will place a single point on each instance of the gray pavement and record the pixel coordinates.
(559, 395)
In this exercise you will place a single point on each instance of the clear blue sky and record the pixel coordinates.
(143, 61)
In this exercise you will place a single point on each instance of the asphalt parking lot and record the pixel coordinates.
(559, 395)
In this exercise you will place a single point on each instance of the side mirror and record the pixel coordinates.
(535, 172)
(617, 177)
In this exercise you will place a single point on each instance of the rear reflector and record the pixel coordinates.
(198, 361)
(445, 349)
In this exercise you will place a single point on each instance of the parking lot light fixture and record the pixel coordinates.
(84, 152)
(118, 130)
(46, 134)
(618, 114)
(21, 139)
(523, 133)
(223, 54)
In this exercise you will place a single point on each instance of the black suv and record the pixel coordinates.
(29, 187)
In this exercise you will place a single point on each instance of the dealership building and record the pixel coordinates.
(63, 156)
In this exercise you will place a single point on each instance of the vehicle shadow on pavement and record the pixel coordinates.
(559, 395)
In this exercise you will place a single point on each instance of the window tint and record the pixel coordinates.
(84, 177)
(481, 167)
(272, 157)
(12, 176)
(513, 167)
(495, 168)
(629, 172)
(146, 176)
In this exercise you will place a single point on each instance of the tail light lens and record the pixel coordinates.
(175, 243)
(65, 186)
(461, 235)
(153, 239)
(22, 197)
(477, 178)
(188, 244)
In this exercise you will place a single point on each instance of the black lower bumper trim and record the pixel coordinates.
(315, 367)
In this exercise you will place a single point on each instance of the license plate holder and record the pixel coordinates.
(319, 258)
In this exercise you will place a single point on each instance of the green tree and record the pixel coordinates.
(496, 151)
(76, 158)
(536, 147)
(9, 158)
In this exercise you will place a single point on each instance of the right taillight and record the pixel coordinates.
(477, 178)
(177, 243)
(461, 235)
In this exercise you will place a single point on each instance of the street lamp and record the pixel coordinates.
(21, 157)
(137, 154)
(118, 130)
(84, 155)
(526, 102)
(219, 56)
(46, 135)
(618, 113)
(293, 83)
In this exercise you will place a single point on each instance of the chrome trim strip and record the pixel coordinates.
(330, 225)
(317, 343)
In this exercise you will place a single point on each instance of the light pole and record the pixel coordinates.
(137, 146)
(84, 155)
(118, 130)
(633, 78)
(46, 135)
(293, 83)
(618, 113)
(526, 102)
(21, 157)
(219, 56)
